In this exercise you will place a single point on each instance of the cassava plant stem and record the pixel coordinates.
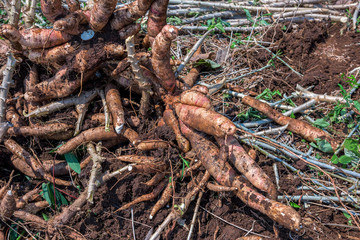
(143, 83)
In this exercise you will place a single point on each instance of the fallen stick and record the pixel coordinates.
(191, 53)
(226, 29)
(304, 129)
(303, 93)
(196, 210)
(227, 14)
(177, 213)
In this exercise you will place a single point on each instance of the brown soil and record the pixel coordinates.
(321, 52)
(318, 51)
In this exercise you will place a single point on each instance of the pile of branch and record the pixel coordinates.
(245, 16)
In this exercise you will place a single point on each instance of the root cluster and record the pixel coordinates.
(92, 81)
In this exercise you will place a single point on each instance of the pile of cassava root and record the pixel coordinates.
(68, 69)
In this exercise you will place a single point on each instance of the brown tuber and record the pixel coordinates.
(247, 166)
(90, 135)
(302, 128)
(114, 102)
(52, 9)
(170, 120)
(100, 13)
(129, 13)
(223, 173)
(8, 205)
(34, 37)
(204, 120)
(195, 98)
(157, 18)
(161, 57)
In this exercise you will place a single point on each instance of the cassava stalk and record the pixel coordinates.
(7, 80)
(30, 13)
(4, 89)
(85, 97)
(191, 53)
(95, 171)
(143, 83)
(106, 110)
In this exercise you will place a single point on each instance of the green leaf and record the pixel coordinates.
(48, 194)
(264, 22)
(345, 159)
(60, 198)
(220, 27)
(212, 64)
(248, 15)
(13, 232)
(353, 146)
(348, 216)
(357, 105)
(335, 159)
(45, 217)
(294, 205)
(321, 123)
(349, 153)
(207, 63)
(56, 148)
(73, 162)
(324, 145)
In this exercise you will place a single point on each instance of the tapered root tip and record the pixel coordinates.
(119, 128)
(9, 193)
(151, 217)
